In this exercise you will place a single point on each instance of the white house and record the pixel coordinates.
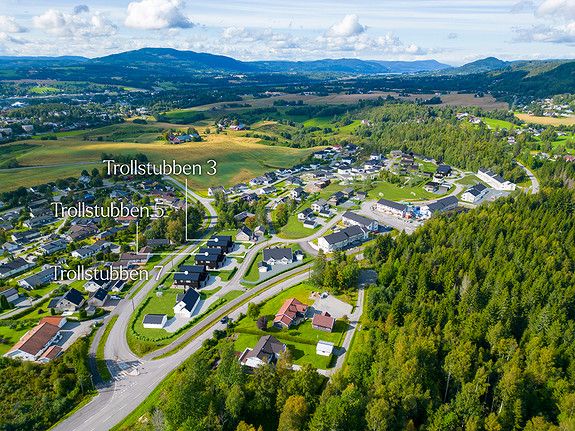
(390, 207)
(475, 193)
(186, 303)
(155, 321)
(352, 219)
(494, 180)
(277, 256)
(324, 348)
(266, 350)
(342, 238)
(442, 205)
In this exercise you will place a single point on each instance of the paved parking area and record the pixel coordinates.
(335, 307)
(492, 195)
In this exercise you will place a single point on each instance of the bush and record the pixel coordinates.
(262, 323)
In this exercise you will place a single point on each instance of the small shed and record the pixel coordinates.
(324, 348)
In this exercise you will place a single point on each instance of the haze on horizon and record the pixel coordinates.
(448, 31)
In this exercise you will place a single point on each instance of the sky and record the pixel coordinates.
(453, 32)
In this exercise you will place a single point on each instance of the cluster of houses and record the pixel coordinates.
(292, 313)
(494, 180)
(425, 211)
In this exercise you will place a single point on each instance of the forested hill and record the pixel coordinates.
(473, 324)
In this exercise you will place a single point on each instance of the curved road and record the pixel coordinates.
(124, 393)
(534, 181)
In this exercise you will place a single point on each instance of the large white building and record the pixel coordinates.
(442, 205)
(342, 238)
(494, 180)
(474, 193)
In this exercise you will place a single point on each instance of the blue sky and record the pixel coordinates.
(453, 32)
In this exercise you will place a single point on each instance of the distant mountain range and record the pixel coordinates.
(172, 60)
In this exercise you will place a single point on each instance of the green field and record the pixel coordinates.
(43, 90)
(294, 229)
(394, 193)
(499, 124)
(238, 158)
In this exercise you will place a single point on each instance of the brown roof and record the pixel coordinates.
(324, 320)
(35, 339)
(52, 320)
(290, 309)
(51, 352)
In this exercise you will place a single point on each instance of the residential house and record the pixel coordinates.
(292, 312)
(98, 298)
(245, 234)
(80, 232)
(211, 261)
(277, 256)
(241, 217)
(297, 193)
(375, 156)
(319, 205)
(343, 238)
(14, 267)
(26, 237)
(267, 350)
(431, 186)
(72, 301)
(41, 278)
(361, 195)
(186, 303)
(443, 171)
(131, 258)
(99, 281)
(39, 221)
(305, 214)
(352, 219)
(9, 246)
(6, 226)
(58, 321)
(221, 241)
(347, 192)
(155, 321)
(336, 198)
(323, 322)
(11, 294)
(494, 180)
(53, 246)
(391, 207)
(474, 193)
(395, 153)
(35, 342)
(310, 223)
(266, 190)
(294, 181)
(442, 205)
(260, 231)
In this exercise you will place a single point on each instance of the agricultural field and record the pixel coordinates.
(238, 158)
(547, 121)
(499, 124)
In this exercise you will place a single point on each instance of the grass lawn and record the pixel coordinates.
(301, 351)
(157, 305)
(100, 362)
(294, 229)
(499, 124)
(394, 193)
(12, 336)
(426, 166)
(253, 274)
(225, 274)
(469, 180)
(13, 178)
(41, 291)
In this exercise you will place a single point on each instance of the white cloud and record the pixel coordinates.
(348, 26)
(546, 33)
(5, 37)
(452, 36)
(560, 9)
(157, 15)
(75, 26)
(9, 25)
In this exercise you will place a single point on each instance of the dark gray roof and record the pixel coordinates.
(99, 294)
(266, 348)
(343, 234)
(442, 203)
(190, 276)
(246, 230)
(192, 268)
(476, 189)
(13, 265)
(9, 292)
(208, 258)
(74, 296)
(190, 299)
(277, 254)
(443, 168)
(391, 204)
(364, 221)
(154, 319)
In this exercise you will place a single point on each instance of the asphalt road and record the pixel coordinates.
(534, 182)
